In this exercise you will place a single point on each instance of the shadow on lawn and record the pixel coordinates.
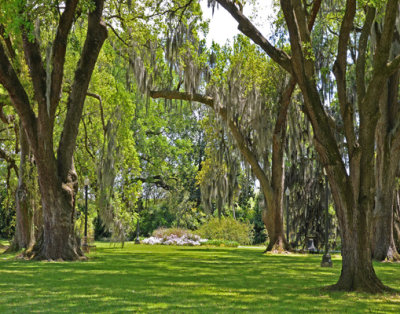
(159, 278)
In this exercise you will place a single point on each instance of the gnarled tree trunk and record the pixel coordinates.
(57, 239)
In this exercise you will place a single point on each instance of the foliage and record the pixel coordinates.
(221, 243)
(161, 279)
(173, 236)
(191, 240)
(227, 228)
(7, 216)
(166, 232)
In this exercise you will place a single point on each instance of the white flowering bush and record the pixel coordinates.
(172, 239)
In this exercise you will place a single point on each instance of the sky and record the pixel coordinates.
(223, 26)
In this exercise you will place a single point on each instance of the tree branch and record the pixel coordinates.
(3, 117)
(248, 154)
(11, 161)
(393, 66)
(37, 72)
(248, 29)
(339, 70)
(18, 96)
(7, 41)
(86, 141)
(96, 35)
(157, 180)
(58, 52)
(98, 97)
(362, 50)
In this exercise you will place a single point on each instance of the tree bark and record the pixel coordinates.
(354, 193)
(357, 270)
(58, 240)
(387, 160)
(24, 236)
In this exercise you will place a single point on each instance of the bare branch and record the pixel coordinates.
(248, 29)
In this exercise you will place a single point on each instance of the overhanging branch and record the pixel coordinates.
(248, 29)
(247, 152)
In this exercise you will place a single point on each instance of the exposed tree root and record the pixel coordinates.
(372, 286)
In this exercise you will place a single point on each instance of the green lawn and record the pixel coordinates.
(142, 278)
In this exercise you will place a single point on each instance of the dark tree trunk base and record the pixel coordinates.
(391, 254)
(374, 288)
(70, 252)
(362, 283)
(278, 246)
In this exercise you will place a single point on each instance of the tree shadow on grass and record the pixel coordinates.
(175, 279)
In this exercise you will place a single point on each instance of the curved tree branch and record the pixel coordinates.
(247, 28)
(248, 154)
(19, 97)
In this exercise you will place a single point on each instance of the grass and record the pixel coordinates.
(152, 279)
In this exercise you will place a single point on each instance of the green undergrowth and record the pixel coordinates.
(221, 243)
(3, 244)
(167, 279)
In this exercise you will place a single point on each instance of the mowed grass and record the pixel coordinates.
(167, 279)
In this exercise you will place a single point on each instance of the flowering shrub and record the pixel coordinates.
(167, 237)
(228, 229)
(166, 232)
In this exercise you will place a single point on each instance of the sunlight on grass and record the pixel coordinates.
(184, 279)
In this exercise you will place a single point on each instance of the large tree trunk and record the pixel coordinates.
(357, 269)
(383, 245)
(273, 220)
(396, 221)
(58, 240)
(387, 160)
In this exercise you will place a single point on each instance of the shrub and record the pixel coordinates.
(221, 243)
(166, 232)
(173, 236)
(228, 229)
